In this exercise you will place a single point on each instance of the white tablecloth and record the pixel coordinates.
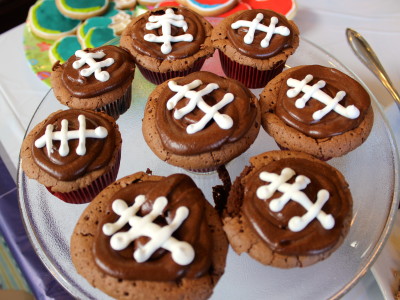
(320, 21)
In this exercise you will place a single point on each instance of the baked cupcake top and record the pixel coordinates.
(93, 72)
(72, 143)
(168, 33)
(297, 204)
(256, 34)
(154, 230)
(203, 111)
(321, 102)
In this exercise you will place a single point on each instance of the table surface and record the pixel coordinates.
(322, 22)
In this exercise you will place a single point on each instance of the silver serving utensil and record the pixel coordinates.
(365, 53)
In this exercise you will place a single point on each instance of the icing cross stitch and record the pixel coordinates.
(293, 192)
(255, 25)
(160, 237)
(196, 99)
(94, 66)
(64, 136)
(314, 91)
(165, 21)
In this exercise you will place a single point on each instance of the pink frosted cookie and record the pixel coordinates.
(209, 8)
(224, 8)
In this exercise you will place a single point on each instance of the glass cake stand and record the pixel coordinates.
(371, 171)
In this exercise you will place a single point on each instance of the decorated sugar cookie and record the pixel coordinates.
(82, 9)
(222, 9)
(45, 21)
(63, 48)
(125, 4)
(97, 31)
(209, 8)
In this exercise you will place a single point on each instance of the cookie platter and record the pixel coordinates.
(371, 170)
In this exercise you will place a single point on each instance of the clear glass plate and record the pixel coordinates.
(371, 170)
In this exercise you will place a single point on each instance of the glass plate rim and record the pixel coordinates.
(344, 289)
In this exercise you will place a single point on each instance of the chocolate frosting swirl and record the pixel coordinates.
(99, 152)
(172, 131)
(85, 87)
(272, 227)
(333, 123)
(180, 190)
(277, 44)
(179, 50)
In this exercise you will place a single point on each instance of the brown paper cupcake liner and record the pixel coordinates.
(88, 193)
(158, 78)
(249, 76)
(118, 107)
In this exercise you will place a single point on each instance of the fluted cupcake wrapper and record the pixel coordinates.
(158, 78)
(87, 194)
(118, 107)
(251, 77)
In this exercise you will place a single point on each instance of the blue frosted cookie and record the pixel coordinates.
(45, 21)
(82, 9)
(64, 48)
(97, 31)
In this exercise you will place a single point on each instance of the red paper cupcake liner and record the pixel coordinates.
(87, 194)
(158, 78)
(118, 107)
(249, 76)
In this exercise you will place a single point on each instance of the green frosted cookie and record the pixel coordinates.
(97, 31)
(82, 9)
(45, 21)
(64, 48)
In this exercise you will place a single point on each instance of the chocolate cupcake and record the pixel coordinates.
(74, 153)
(150, 237)
(98, 79)
(168, 42)
(254, 45)
(288, 209)
(317, 110)
(201, 121)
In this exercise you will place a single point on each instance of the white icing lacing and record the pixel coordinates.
(64, 136)
(165, 21)
(255, 25)
(293, 192)
(94, 66)
(315, 92)
(196, 100)
(160, 237)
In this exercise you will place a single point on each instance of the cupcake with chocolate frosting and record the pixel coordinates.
(150, 237)
(168, 42)
(74, 153)
(98, 79)
(254, 45)
(317, 110)
(288, 209)
(201, 121)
